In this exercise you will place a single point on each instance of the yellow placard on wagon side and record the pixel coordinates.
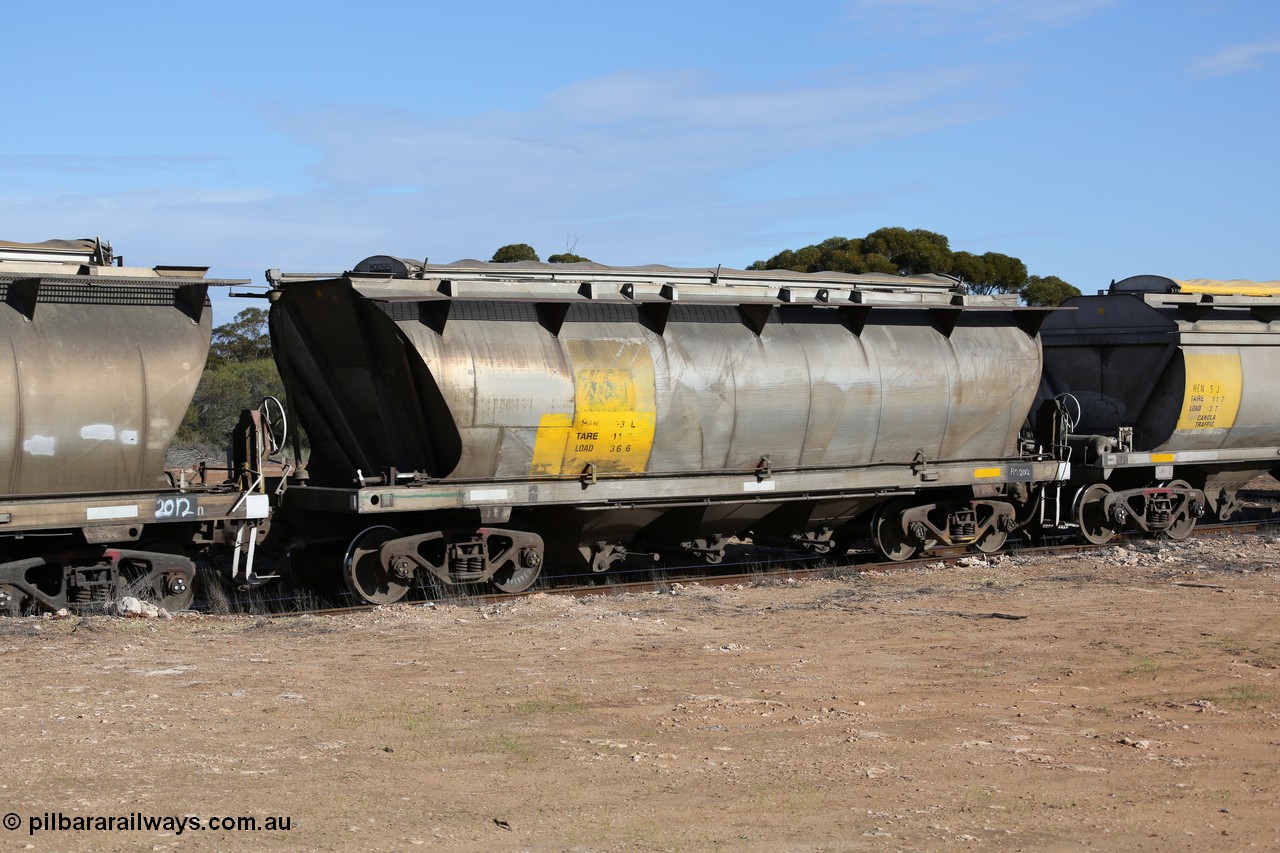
(1214, 384)
(614, 413)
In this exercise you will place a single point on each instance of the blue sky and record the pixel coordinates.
(1094, 139)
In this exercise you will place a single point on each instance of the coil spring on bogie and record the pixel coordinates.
(1158, 517)
(467, 560)
(87, 594)
(467, 564)
(963, 526)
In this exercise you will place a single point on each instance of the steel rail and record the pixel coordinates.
(827, 569)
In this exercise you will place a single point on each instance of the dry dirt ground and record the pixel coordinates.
(1136, 706)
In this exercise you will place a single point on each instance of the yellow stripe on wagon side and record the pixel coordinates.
(987, 473)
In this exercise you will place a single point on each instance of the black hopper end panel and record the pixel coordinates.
(366, 400)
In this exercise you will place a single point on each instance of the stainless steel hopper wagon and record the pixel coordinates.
(473, 422)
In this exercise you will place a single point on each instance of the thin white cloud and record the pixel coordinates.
(631, 160)
(1237, 58)
(993, 20)
(646, 135)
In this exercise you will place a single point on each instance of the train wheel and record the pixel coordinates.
(886, 535)
(363, 573)
(993, 540)
(178, 594)
(1091, 514)
(516, 578)
(517, 557)
(173, 593)
(1181, 528)
(166, 581)
(12, 601)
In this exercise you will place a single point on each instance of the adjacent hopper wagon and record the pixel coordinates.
(100, 365)
(1168, 387)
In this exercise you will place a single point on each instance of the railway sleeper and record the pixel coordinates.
(89, 579)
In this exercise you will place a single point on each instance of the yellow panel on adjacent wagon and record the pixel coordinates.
(1232, 287)
(1213, 387)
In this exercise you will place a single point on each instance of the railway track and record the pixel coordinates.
(779, 568)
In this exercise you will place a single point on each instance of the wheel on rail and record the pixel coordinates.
(886, 532)
(12, 601)
(520, 573)
(172, 591)
(993, 540)
(1181, 528)
(1091, 514)
(178, 596)
(363, 573)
